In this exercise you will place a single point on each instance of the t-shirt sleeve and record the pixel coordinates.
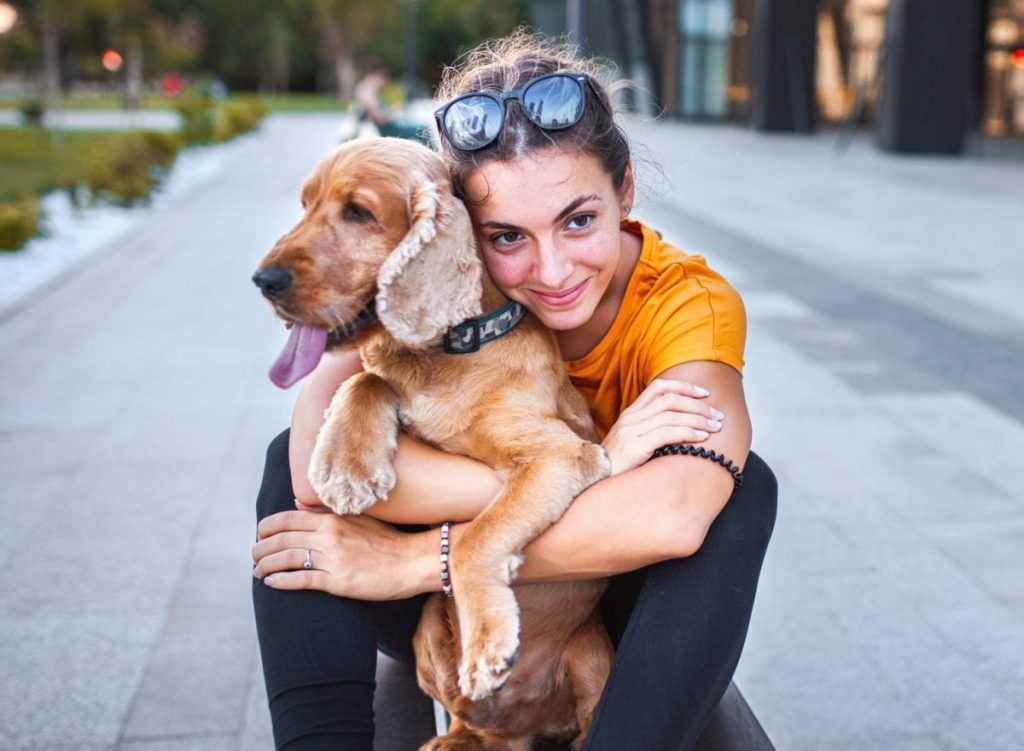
(693, 317)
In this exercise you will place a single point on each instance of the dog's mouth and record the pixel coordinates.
(306, 345)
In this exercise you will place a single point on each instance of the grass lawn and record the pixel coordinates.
(36, 160)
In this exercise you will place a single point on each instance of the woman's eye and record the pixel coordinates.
(581, 221)
(356, 213)
(506, 238)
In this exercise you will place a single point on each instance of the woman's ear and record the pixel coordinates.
(627, 194)
(431, 280)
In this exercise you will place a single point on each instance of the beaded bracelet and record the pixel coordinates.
(685, 448)
(446, 581)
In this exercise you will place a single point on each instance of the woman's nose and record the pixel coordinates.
(554, 267)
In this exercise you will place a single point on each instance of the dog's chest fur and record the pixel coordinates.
(509, 379)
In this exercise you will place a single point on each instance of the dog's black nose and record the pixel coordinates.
(274, 281)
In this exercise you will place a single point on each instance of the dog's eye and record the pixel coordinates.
(356, 213)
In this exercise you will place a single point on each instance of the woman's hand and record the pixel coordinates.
(352, 556)
(668, 411)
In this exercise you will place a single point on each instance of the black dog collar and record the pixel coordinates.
(469, 335)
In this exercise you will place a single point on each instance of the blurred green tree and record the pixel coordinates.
(268, 45)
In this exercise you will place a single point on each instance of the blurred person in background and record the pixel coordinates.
(370, 107)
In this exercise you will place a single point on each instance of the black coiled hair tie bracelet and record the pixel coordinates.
(688, 449)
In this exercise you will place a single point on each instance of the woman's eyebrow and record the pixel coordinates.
(575, 204)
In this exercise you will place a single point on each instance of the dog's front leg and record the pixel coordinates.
(352, 464)
(484, 563)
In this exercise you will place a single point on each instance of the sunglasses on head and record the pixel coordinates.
(552, 102)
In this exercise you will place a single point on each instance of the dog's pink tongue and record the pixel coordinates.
(300, 355)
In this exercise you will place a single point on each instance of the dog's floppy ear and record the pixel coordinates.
(431, 281)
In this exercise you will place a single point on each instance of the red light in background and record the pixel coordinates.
(111, 60)
(1017, 58)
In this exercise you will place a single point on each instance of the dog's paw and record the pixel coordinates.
(350, 481)
(596, 463)
(464, 741)
(488, 657)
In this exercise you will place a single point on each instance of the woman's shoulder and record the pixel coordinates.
(669, 273)
(683, 309)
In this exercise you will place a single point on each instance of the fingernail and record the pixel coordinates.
(701, 434)
(269, 581)
(717, 415)
(714, 424)
(701, 390)
(255, 573)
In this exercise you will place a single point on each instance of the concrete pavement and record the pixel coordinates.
(135, 409)
(883, 309)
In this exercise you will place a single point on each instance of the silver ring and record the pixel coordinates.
(309, 560)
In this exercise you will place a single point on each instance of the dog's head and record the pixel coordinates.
(383, 242)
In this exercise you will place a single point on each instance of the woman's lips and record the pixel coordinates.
(561, 299)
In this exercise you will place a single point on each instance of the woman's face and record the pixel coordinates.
(549, 231)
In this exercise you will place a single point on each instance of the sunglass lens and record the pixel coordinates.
(554, 102)
(473, 122)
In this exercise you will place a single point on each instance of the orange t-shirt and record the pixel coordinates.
(675, 310)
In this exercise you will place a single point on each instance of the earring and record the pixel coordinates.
(625, 209)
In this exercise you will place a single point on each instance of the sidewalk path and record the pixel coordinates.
(134, 411)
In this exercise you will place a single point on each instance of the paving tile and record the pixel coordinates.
(198, 742)
(989, 550)
(894, 743)
(66, 679)
(256, 731)
(197, 678)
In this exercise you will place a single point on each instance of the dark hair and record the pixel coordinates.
(511, 62)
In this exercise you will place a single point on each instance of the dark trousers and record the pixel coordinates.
(678, 627)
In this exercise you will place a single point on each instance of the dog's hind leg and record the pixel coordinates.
(587, 662)
(352, 464)
(461, 737)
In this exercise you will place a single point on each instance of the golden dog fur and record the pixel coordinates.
(381, 223)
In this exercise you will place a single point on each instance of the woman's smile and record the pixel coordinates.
(563, 298)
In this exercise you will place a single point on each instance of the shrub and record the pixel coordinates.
(238, 116)
(19, 220)
(198, 114)
(32, 111)
(127, 169)
(163, 146)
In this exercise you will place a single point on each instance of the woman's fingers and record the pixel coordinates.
(661, 386)
(698, 423)
(291, 559)
(311, 579)
(284, 541)
(672, 404)
(284, 521)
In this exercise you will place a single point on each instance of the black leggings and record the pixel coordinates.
(678, 627)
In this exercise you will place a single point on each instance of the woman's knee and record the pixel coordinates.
(276, 490)
(758, 498)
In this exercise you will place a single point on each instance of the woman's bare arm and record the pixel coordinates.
(641, 516)
(654, 512)
(314, 398)
(432, 486)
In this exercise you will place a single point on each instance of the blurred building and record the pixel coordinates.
(924, 74)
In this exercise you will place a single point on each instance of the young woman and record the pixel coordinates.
(653, 339)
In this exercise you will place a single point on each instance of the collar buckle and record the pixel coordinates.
(463, 339)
